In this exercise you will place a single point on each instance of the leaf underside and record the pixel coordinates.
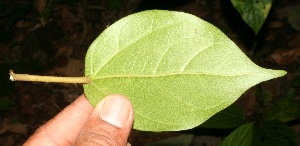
(176, 69)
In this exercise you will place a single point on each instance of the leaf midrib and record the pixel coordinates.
(171, 74)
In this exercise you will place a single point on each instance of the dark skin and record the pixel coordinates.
(108, 124)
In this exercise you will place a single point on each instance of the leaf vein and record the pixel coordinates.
(175, 97)
(196, 54)
(128, 47)
(99, 89)
(170, 74)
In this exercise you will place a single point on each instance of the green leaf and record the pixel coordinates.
(231, 117)
(285, 110)
(5, 104)
(176, 69)
(294, 18)
(114, 4)
(242, 136)
(274, 133)
(253, 12)
(183, 140)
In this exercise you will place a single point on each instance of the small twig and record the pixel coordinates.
(48, 79)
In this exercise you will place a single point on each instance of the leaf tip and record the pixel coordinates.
(281, 73)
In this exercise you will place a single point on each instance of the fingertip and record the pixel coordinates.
(116, 110)
(109, 124)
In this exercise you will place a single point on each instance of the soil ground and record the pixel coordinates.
(45, 38)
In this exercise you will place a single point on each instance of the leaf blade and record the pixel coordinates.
(166, 61)
(253, 13)
(243, 135)
(156, 92)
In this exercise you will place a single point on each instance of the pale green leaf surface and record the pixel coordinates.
(176, 69)
(253, 12)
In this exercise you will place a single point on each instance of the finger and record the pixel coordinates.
(109, 124)
(64, 127)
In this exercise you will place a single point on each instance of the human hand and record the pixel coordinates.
(108, 124)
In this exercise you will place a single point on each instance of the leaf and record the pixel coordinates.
(6, 103)
(294, 18)
(114, 4)
(183, 140)
(253, 12)
(231, 117)
(242, 136)
(274, 133)
(176, 69)
(286, 109)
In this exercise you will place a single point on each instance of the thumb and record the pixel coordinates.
(109, 124)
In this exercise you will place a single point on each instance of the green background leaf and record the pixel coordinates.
(286, 109)
(230, 117)
(176, 69)
(253, 12)
(294, 17)
(270, 133)
(274, 133)
(242, 136)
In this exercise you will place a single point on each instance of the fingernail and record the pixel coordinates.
(116, 110)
